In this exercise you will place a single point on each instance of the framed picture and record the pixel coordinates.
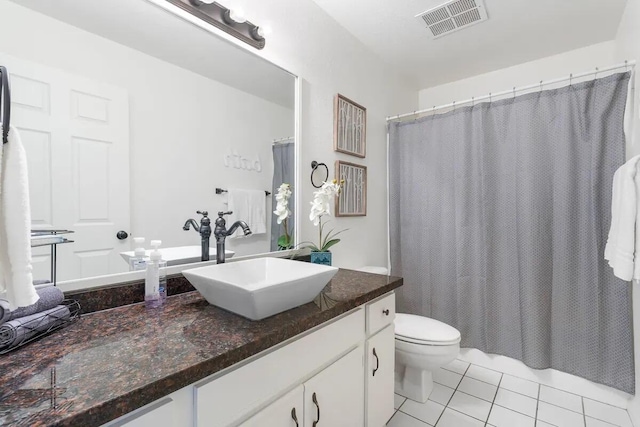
(349, 127)
(352, 200)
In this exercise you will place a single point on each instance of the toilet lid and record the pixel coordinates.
(419, 329)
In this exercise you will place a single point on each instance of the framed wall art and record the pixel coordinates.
(352, 200)
(349, 127)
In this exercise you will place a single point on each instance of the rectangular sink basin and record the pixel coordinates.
(181, 254)
(261, 287)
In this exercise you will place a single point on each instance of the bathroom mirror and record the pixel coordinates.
(131, 118)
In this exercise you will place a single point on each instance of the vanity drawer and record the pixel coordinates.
(381, 313)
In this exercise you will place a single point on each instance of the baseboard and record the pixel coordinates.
(554, 378)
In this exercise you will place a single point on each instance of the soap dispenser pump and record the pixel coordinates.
(139, 260)
(156, 278)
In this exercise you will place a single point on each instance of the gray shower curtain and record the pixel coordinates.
(499, 215)
(283, 171)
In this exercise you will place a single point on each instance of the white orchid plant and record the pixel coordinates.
(283, 213)
(320, 206)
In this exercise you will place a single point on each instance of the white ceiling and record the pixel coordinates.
(517, 31)
(173, 40)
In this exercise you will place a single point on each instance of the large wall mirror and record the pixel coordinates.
(131, 118)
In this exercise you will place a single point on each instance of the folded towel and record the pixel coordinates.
(249, 206)
(5, 311)
(15, 225)
(623, 244)
(50, 297)
(19, 330)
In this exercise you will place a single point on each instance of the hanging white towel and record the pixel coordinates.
(16, 278)
(249, 206)
(623, 245)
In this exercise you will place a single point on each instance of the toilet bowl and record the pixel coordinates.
(423, 345)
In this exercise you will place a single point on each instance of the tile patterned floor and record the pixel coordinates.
(467, 395)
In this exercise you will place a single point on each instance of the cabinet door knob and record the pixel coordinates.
(315, 401)
(377, 362)
(386, 312)
(293, 415)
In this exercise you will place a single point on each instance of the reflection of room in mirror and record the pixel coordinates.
(352, 200)
(112, 146)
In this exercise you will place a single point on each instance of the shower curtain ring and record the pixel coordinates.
(570, 79)
(626, 65)
(596, 75)
(473, 99)
(490, 100)
(454, 106)
(540, 85)
(433, 112)
(514, 92)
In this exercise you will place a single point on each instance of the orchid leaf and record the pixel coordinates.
(330, 243)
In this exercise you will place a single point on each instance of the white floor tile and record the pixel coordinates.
(528, 388)
(484, 374)
(398, 400)
(502, 417)
(516, 402)
(543, 424)
(592, 422)
(608, 413)
(561, 398)
(404, 420)
(457, 366)
(478, 388)
(448, 378)
(441, 394)
(451, 418)
(470, 405)
(559, 416)
(429, 412)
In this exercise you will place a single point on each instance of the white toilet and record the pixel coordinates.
(423, 345)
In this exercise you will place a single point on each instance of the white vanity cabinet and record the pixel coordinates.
(339, 374)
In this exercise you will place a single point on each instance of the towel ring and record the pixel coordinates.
(315, 165)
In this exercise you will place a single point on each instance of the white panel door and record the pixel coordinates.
(284, 412)
(76, 134)
(335, 397)
(380, 377)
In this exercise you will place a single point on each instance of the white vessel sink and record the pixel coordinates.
(260, 287)
(181, 254)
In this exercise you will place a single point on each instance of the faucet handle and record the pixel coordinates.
(221, 214)
(203, 213)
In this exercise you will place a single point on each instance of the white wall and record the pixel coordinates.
(181, 125)
(553, 67)
(306, 41)
(628, 48)
(576, 61)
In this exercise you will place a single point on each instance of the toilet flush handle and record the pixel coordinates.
(386, 312)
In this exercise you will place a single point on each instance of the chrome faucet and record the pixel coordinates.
(205, 232)
(221, 233)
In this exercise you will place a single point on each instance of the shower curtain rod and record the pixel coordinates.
(626, 64)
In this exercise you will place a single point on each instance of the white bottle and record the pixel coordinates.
(139, 260)
(156, 279)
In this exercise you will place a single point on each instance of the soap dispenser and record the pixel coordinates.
(155, 287)
(139, 260)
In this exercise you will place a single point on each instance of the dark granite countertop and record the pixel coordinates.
(112, 362)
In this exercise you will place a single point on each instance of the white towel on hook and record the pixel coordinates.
(623, 244)
(16, 277)
(249, 206)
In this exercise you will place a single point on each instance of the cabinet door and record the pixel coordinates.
(380, 377)
(284, 412)
(335, 397)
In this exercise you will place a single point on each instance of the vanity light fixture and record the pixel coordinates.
(230, 21)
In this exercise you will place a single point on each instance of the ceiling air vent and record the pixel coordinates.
(453, 16)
